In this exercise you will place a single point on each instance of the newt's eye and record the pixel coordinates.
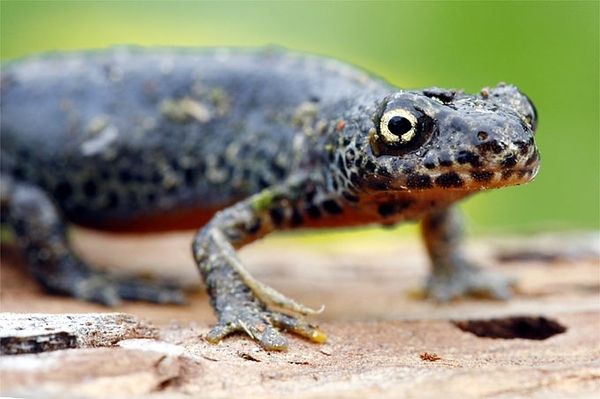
(398, 127)
(401, 128)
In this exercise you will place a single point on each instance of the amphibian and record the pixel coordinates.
(240, 143)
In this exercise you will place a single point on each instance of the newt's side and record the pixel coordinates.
(242, 143)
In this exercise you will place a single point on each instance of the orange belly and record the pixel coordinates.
(186, 219)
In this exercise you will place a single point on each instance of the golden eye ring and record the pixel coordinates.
(398, 127)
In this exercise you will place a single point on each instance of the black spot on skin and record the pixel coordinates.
(63, 191)
(340, 163)
(263, 183)
(313, 211)
(354, 178)
(523, 147)
(156, 177)
(332, 207)
(370, 167)
(482, 177)
(509, 161)
(222, 165)
(380, 185)
(277, 215)
(419, 181)
(482, 136)
(445, 162)
(255, 227)
(189, 176)
(18, 173)
(277, 170)
(150, 198)
(125, 176)
(174, 163)
(309, 193)
(331, 157)
(533, 158)
(113, 200)
(387, 173)
(429, 165)
(297, 219)
(90, 188)
(358, 160)
(444, 95)
(464, 157)
(392, 208)
(246, 174)
(334, 184)
(449, 180)
(491, 146)
(507, 174)
(525, 126)
(386, 210)
(350, 197)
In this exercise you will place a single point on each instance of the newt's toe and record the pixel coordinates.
(298, 326)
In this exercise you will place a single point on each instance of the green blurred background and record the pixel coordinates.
(550, 50)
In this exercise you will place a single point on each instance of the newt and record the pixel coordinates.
(239, 143)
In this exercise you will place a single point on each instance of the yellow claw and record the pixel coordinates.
(315, 334)
(318, 335)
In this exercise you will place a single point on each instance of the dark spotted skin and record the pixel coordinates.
(242, 143)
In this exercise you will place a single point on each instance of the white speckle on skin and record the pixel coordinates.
(115, 74)
(99, 142)
(195, 109)
(167, 66)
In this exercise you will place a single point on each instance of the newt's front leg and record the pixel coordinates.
(241, 302)
(452, 274)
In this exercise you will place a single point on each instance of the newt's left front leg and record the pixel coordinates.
(241, 302)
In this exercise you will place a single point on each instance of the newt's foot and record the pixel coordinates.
(82, 282)
(262, 325)
(469, 281)
(241, 301)
(111, 291)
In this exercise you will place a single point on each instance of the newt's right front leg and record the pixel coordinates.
(241, 302)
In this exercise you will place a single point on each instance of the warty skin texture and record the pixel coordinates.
(132, 139)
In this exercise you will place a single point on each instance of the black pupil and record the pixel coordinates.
(399, 125)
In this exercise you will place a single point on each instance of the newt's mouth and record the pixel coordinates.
(511, 167)
(509, 170)
(480, 179)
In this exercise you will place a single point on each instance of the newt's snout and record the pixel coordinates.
(505, 142)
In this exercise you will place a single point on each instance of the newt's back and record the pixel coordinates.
(117, 134)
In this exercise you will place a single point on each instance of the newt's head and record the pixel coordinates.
(444, 139)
